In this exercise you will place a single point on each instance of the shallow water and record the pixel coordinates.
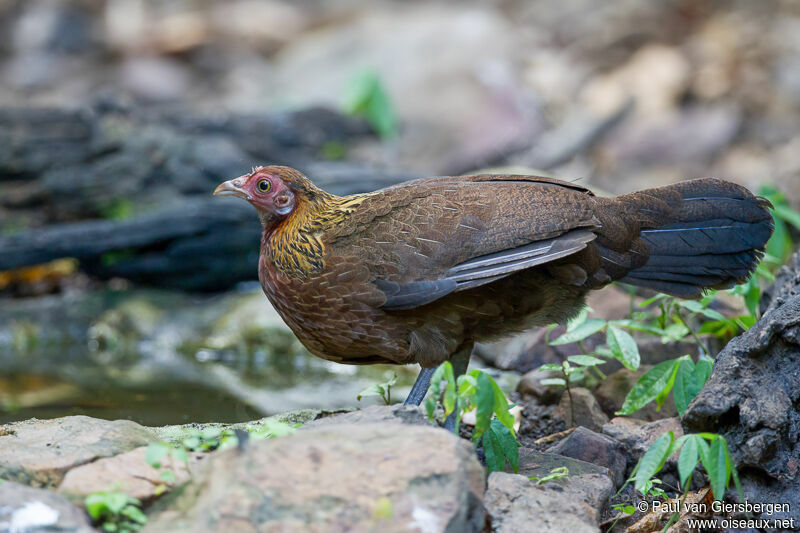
(166, 358)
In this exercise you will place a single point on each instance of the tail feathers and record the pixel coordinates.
(713, 238)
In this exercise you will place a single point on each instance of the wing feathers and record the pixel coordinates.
(482, 270)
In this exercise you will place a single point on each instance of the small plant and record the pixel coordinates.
(115, 512)
(682, 376)
(494, 424)
(556, 473)
(206, 440)
(366, 97)
(709, 449)
(384, 390)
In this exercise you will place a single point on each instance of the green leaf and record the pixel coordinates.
(168, 476)
(551, 367)
(366, 96)
(155, 453)
(556, 473)
(653, 460)
(689, 380)
(662, 396)
(696, 307)
(586, 329)
(649, 386)
(638, 326)
(788, 214)
(180, 455)
(484, 400)
(585, 360)
(675, 332)
(623, 347)
(554, 381)
(499, 446)
(717, 467)
(688, 459)
(780, 244)
(501, 407)
(655, 298)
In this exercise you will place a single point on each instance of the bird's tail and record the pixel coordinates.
(694, 235)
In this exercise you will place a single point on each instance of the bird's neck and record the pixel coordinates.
(295, 245)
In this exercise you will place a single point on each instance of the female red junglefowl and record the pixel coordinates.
(417, 272)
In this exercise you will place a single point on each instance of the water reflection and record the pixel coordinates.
(165, 358)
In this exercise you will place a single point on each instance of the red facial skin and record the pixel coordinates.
(269, 194)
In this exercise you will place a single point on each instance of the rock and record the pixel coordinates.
(41, 452)
(753, 394)
(515, 503)
(611, 393)
(572, 503)
(586, 445)
(581, 410)
(129, 473)
(637, 436)
(343, 477)
(31, 510)
(375, 414)
(530, 385)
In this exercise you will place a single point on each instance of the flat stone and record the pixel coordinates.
(515, 503)
(341, 477)
(586, 445)
(41, 452)
(128, 473)
(584, 478)
(375, 414)
(31, 510)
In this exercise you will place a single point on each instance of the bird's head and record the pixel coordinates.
(274, 191)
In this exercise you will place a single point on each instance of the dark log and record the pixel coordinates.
(753, 399)
(64, 173)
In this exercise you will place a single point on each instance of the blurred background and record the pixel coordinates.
(126, 291)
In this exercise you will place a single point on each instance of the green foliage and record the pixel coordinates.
(206, 440)
(780, 245)
(494, 424)
(366, 96)
(708, 449)
(334, 150)
(115, 512)
(118, 209)
(556, 473)
(384, 390)
(682, 376)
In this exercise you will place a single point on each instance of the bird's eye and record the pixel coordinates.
(264, 186)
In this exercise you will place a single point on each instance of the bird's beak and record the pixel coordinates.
(231, 188)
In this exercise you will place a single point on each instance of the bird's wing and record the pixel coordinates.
(428, 238)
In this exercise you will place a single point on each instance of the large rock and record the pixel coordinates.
(127, 472)
(30, 510)
(752, 399)
(40, 452)
(345, 477)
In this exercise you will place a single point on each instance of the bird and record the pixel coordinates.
(420, 271)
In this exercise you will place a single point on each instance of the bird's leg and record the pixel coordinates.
(460, 362)
(420, 387)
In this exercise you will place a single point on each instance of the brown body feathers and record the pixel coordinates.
(414, 272)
